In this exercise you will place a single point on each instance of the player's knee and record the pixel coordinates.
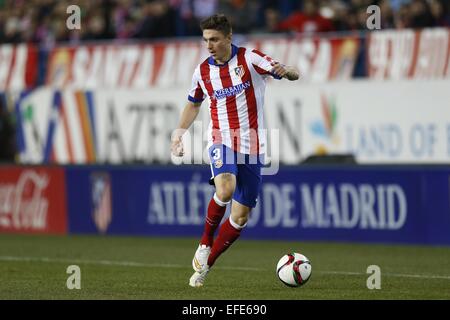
(241, 220)
(224, 193)
(240, 217)
(225, 187)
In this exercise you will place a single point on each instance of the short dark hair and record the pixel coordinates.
(217, 22)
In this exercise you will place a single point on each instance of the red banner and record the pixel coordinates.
(124, 66)
(32, 200)
(409, 54)
(18, 66)
(319, 59)
(172, 64)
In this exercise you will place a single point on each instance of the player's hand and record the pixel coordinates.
(278, 69)
(177, 146)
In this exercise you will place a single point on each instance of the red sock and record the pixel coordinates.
(227, 235)
(213, 218)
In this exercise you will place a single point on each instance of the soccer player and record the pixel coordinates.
(233, 79)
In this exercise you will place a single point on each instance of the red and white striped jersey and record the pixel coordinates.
(235, 92)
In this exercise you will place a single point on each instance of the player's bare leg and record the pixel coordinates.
(225, 184)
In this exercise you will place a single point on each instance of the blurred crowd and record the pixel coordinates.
(44, 21)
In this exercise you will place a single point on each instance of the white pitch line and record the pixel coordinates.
(164, 265)
(388, 274)
(344, 273)
(418, 276)
(113, 263)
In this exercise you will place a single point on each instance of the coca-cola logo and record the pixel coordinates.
(23, 205)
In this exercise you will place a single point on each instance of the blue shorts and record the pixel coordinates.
(246, 168)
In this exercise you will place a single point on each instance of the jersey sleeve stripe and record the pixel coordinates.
(263, 72)
(194, 100)
(198, 93)
(259, 53)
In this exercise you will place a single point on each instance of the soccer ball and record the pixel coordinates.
(294, 269)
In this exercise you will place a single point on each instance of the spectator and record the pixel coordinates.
(96, 28)
(242, 14)
(341, 14)
(192, 12)
(11, 29)
(123, 19)
(128, 28)
(43, 21)
(308, 21)
(421, 16)
(438, 11)
(403, 18)
(158, 21)
(271, 18)
(386, 14)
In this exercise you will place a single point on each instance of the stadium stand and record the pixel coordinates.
(43, 21)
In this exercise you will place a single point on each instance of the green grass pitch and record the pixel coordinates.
(34, 267)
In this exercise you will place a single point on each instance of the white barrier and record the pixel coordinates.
(380, 122)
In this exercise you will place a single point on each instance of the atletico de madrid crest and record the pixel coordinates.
(218, 164)
(239, 71)
(101, 196)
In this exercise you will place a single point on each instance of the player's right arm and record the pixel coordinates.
(190, 112)
(188, 116)
(265, 66)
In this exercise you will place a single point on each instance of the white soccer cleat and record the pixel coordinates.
(198, 278)
(201, 257)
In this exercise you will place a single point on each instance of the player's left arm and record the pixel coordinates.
(283, 71)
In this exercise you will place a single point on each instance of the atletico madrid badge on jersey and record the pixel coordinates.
(218, 164)
(239, 70)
